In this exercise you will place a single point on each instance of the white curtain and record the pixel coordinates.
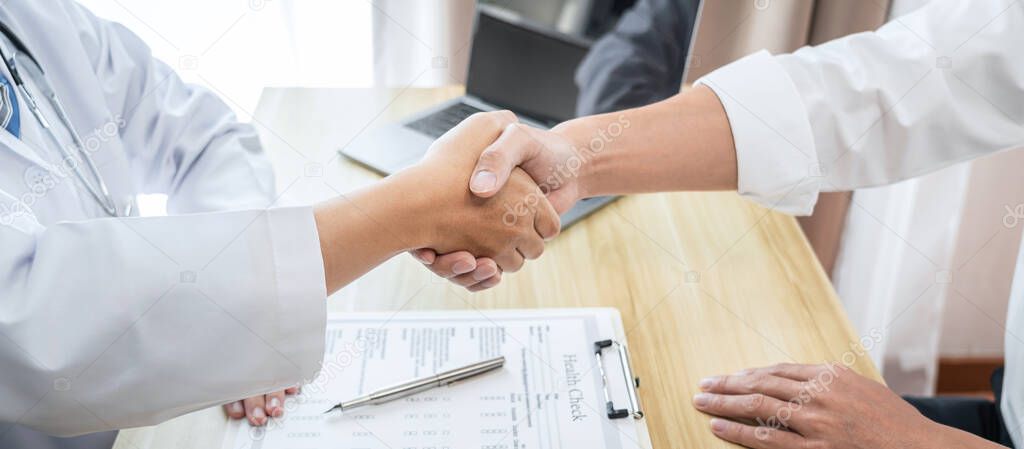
(422, 43)
(893, 267)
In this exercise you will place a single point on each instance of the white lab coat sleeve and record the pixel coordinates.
(181, 139)
(940, 85)
(116, 323)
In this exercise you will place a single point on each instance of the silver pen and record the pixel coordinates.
(414, 386)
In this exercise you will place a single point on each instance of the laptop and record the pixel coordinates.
(513, 65)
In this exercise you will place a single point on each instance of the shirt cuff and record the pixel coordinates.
(301, 287)
(777, 162)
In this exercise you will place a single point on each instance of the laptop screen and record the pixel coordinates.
(524, 69)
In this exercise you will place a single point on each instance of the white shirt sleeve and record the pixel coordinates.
(940, 85)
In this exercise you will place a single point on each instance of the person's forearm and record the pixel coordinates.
(682, 143)
(362, 229)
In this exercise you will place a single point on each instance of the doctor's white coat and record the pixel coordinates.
(107, 323)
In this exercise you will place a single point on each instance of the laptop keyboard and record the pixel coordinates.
(438, 123)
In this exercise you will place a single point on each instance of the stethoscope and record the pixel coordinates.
(96, 187)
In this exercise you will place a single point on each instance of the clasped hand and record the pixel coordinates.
(517, 157)
(488, 235)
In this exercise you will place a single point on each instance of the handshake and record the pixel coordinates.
(489, 193)
(494, 192)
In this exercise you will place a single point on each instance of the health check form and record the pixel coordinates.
(548, 395)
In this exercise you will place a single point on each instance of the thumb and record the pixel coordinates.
(512, 148)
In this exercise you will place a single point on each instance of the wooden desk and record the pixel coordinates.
(707, 283)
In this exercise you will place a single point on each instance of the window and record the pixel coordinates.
(238, 47)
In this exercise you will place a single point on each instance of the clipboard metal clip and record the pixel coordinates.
(627, 375)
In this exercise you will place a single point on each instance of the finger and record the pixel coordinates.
(291, 390)
(275, 404)
(760, 382)
(487, 275)
(761, 437)
(426, 256)
(796, 371)
(497, 120)
(235, 410)
(510, 261)
(493, 122)
(485, 269)
(465, 280)
(486, 284)
(532, 248)
(511, 149)
(745, 406)
(453, 264)
(254, 410)
(476, 131)
(547, 223)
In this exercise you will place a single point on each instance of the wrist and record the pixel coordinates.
(588, 146)
(359, 230)
(384, 215)
(933, 434)
(415, 217)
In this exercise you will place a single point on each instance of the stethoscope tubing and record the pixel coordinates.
(100, 192)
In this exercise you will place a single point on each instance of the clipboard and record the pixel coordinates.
(550, 394)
